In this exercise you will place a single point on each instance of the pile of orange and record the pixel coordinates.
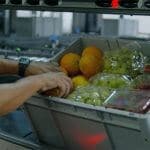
(70, 62)
(88, 64)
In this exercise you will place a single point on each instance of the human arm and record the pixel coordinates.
(14, 94)
(11, 67)
(8, 66)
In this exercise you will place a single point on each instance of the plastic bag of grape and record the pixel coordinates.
(113, 81)
(127, 60)
(90, 94)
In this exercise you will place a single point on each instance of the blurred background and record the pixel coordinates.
(43, 24)
(22, 32)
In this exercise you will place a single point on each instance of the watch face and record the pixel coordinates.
(23, 64)
(24, 60)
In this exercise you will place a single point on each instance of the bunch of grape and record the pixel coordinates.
(124, 61)
(113, 81)
(90, 95)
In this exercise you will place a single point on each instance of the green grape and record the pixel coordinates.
(97, 103)
(110, 80)
(90, 101)
(93, 95)
(123, 61)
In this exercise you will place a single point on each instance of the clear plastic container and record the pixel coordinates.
(147, 68)
(142, 82)
(147, 65)
(127, 60)
(93, 95)
(137, 101)
(113, 81)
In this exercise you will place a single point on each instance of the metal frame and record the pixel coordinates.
(79, 6)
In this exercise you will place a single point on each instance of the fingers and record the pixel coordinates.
(58, 80)
(67, 88)
(69, 83)
(62, 88)
(64, 85)
(52, 86)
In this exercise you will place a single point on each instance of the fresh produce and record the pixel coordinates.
(90, 65)
(114, 81)
(93, 51)
(95, 75)
(70, 62)
(91, 61)
(124, 61)
(99, 88)
(79, 80)
(90, 95)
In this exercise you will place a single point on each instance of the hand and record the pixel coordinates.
(56, 80)
(40, 67)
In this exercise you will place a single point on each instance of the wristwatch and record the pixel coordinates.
(23, 64)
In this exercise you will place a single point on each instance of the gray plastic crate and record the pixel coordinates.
(77, 126)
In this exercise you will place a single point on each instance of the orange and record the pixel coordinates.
(79, 80)
(70, 62)
(90, 65)
(94, 51)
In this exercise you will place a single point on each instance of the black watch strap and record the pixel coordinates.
(23, 64)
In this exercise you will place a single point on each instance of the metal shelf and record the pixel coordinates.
(78, 6)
